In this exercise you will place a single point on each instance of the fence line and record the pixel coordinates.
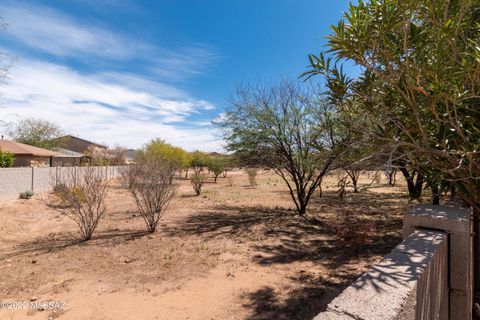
(13, 181)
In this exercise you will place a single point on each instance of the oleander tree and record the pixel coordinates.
(420, 81)
(419, 86)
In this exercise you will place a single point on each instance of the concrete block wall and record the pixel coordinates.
(13, 181)
(411, 282)
(456, 222)
(428, 276)
(42, 178)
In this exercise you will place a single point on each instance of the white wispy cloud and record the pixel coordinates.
(47, 30)
(106, 107)
(59, 34)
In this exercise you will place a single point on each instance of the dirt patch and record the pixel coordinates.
(235, 252)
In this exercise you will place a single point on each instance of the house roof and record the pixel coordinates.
(70, 137)
(65, 153)
(18, 148)
(130, 154)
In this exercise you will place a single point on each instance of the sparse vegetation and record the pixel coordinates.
(197, 179)
(26, 195)
(411, 107)
(236, 233)
(150, 184)
(82, 197)
(252, 176)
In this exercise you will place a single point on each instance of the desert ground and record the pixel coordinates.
(234, 252)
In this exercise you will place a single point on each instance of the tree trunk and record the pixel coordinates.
(354, 175)
(392, 177)
(414, 187)
(355, 189)
(435, 194)
(302, 210)
(419, 185)
(452, 192)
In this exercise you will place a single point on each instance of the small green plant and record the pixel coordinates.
(26, 195)
(6, 159)
(252, 176)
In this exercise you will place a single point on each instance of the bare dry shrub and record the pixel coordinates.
(82, 197)
(198, 179)
(342, 187)
(150, 184)
(252, 176)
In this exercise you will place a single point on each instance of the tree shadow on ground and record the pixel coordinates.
(279, 236)
(243, 222)
(303, 302)
(62, 241)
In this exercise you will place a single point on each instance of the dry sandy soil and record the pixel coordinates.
(235, 252)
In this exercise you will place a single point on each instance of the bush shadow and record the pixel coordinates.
(62, 241)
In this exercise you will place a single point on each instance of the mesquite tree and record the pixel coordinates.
(286, 127)
(217, 165)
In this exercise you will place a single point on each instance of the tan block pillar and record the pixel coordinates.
(456, 222)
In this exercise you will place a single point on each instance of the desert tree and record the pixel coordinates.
(81, 196)
(287, 127)
(217, 165)
(198, 161)
(175, 156)
(117, 155)
(99, 156)
(37, 132)
(149, 182)
(420, 83)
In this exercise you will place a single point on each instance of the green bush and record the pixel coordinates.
(26, 195)
(6, 159)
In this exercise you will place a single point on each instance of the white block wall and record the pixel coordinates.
(13, 181)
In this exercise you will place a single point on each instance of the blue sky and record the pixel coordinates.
(124, 71)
